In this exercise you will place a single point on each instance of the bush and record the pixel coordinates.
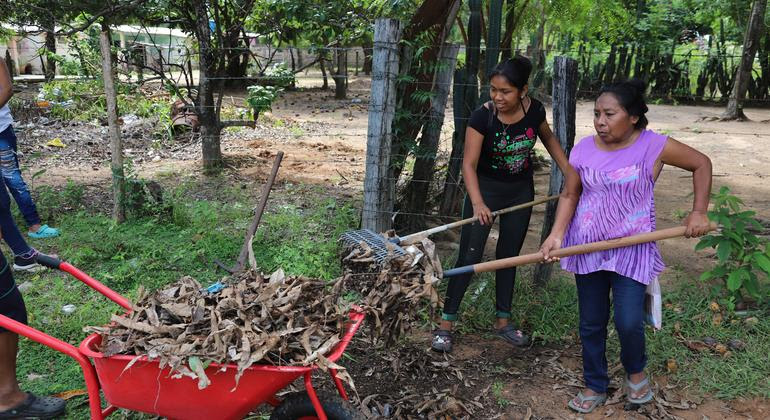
(742, 257)
(278, 75)
(261, 98)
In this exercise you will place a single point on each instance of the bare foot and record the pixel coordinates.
(10, 400)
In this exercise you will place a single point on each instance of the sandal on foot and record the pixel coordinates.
(632, 387)
(35, 407)
(442, 341)
(595, 400)
(512, 336)
(44, 231)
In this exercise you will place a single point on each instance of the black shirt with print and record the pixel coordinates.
(505, 153)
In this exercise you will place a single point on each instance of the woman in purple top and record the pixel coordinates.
(618, 167)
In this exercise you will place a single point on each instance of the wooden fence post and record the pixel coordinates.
(379, 191)
(116, 143)
(564, 97)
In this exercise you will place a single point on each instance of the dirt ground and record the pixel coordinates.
(324, 141)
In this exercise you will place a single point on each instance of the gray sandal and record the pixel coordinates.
(632, 387)
(442, 341)
(596, 400)
(512, 336)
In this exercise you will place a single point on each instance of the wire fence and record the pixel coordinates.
(298, 120)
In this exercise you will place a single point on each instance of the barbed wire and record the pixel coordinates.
(133, 42)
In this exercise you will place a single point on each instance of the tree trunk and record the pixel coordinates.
(341, 75)
(322, 62)
(432, 23)
(506, 44)
(538, 55)
(493, 44)
(116, 144)
(751, 39)
(205, 106)
(622, 57)
(466, 94)
(764, 63)
(609, 72)
(417, 194)
(50, 46)
(367, 47)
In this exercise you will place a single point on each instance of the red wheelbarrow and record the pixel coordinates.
(147, 388)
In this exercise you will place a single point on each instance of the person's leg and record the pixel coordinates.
(12, 306)
(513, 230)
(594, 309)
(628, 301)
(10, 394)
(473, 237)
(10, 231)
(9, 167)
(14, 403)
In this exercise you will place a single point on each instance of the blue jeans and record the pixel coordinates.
(8, 227)
(594, 304)
(9, 167)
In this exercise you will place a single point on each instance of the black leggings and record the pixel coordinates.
(513, 228)
(11, 302)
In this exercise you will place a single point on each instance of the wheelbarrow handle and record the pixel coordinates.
(55, 263)
(571, 250)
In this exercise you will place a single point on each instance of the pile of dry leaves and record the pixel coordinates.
(395, 291)
(278, 320)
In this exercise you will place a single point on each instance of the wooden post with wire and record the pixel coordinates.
(378, 189)
(565, 76)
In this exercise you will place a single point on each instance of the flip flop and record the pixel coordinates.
(35, 407)
(512, 336)
(442, 341)
(596, 400)
(632, 387)
(45, 231)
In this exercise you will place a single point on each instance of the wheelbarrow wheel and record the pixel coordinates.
(297, 405)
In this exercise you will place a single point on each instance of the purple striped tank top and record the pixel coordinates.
(617, 201)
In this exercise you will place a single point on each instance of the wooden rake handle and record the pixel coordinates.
(415, 237)
(572, 250)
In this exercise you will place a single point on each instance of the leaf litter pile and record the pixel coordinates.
(277, 320)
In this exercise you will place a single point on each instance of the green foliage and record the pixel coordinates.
(84, 100)
(278, 75)
(743, 258)
(87, 53)
(261, 98)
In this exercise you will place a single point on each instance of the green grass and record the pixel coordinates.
(743, 373)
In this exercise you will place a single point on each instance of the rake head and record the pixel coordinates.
(382, 248)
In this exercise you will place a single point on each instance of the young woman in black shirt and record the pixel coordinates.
(497, 170)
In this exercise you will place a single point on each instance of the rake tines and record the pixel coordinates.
(382, 249)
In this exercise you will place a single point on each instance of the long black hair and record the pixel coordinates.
(630, 95)
(516, 70)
